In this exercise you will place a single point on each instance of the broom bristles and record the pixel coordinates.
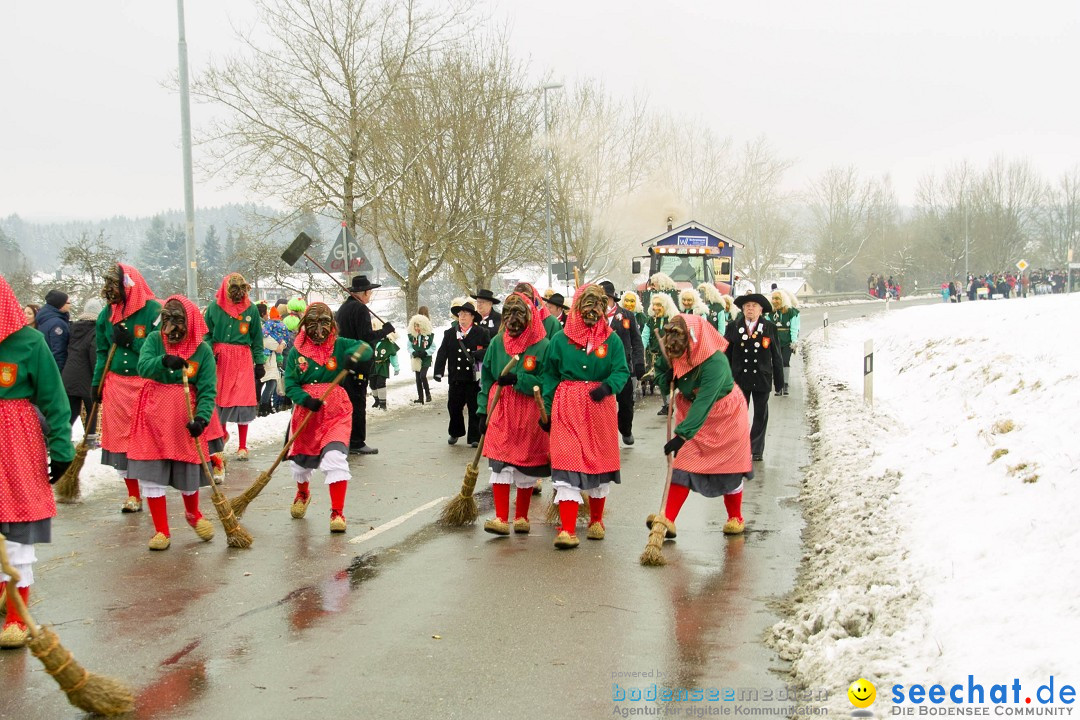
(85, 690)
(237, 535)
(240, 502)
(462, 510)
(653, 556)
(67, 487)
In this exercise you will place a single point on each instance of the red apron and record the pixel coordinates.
(120, 398)
(25, 493)
(722, 445)
(513, 431)
(159, 431)
(333, 423)
(584, 434)
(235, 375)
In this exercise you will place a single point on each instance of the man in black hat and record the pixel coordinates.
(460, 354)
(756, 363)
(556, 307)
(625, 326)
(354, 322)
(54, 322)
(489, 318)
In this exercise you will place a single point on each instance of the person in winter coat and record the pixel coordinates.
(756, 364)
(624, 324)
(53, 321)
(661, 311)
(386, 351)
(785, 316)
(79, 369)
(460, 355)
(35, 453)
(714, 301)
(272, 385)
(354, 323)
(421, 343)
(30, 313)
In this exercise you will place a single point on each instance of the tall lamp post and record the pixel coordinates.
(185, 129)
(547, 175)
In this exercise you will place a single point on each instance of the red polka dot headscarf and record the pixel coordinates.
(196, 330)
(12, 317)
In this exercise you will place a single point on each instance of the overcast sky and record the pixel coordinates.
(88, 130)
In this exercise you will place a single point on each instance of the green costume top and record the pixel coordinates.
(551, 326)
(529, 369)
(126, 360)
(424, 344)
(703, 386)
(787, 325)
(202, 365)
(642, 319)
(28, 370)
(718, 316)
(244, 330)
(301, 370)
(567, 361)
(386, 351)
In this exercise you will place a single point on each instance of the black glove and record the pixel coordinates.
(482, 422)
(312, 404)
(673, 445)
(95, 393)
(639, 371)
(600, 392)
(508, 379)
(122, 337)
(419, 354)
(196, 427)
(260, 371)
(353, 366)
(437, 378)
(388, 329)
(545, 426)
(173, 362)
(57, 468)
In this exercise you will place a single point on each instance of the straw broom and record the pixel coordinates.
(652, 556)
(240, 502)
(85, 690)
(67, 487)
(462, 509)
(236, 534)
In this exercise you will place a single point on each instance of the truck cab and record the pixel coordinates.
(690, 254)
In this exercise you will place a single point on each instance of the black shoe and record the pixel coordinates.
(628, 439)
(474, 443)
(363, 450)
(785, 392)
(757, 457)
(662, 411)
(417, 401)
(427, 398)
(778, 393)
(451, 440)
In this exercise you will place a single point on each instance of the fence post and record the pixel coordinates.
(826, 321)
(868, 373)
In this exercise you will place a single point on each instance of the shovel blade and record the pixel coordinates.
(296, 251)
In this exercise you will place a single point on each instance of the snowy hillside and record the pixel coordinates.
(941, 534)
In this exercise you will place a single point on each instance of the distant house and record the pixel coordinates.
(790, 273)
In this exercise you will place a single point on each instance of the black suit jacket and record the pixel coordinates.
(756, 362)
(625, 326)
(491, 323)
(459, 363)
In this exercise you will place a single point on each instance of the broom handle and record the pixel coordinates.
(94, 406)
(13, 590)
(498, 391)
(540, 401)
(198, 446)
(355, 357)
(670, 412)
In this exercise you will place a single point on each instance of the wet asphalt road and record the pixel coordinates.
(415, 620)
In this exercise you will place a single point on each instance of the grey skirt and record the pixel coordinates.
(585, 481)
(710, 485)
(241, 415)
(116, 460)
(185, 477)
(540, 471)
(28, 533)
(312, 462)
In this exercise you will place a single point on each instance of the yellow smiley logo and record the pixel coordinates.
(862, 693)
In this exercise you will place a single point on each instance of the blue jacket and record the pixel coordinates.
(53, 324)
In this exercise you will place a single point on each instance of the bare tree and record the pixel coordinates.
(89, 256)
(943, 215)
(840, 202)
(1004, 200)
(1058, 219)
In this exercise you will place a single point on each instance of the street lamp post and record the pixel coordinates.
(547, 174)
(185, 129)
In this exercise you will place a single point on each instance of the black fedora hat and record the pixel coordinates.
(557, 300)
(360, 283)
(760, 299)
(609, 289)
(485, 294)
(466, 306)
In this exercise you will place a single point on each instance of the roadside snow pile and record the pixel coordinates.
(941, 524)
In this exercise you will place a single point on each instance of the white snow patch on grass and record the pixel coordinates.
(941, 532)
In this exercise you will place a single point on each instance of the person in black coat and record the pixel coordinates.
(81, 357)
(490, 320)
(460, 354)
(53, 321)
(625, 326)
(354, 322)
(756, 363)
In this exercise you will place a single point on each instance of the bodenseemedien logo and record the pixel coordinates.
(862, 694)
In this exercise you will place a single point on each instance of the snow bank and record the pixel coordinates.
(941, 534)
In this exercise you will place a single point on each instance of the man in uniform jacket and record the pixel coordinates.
(354, 323)
(756, 363)
(54, 322)
(459, 358)
(489, 319)
(625, 326)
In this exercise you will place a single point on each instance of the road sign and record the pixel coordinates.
(346, 246)
(1022, 265)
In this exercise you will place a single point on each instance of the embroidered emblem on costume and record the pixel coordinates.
(192, 368)
(765, 342)
(301, 363)
(9, 372)
(243, 328)
(626, 323)
(58, 330)
(331, 364)
(140, 331)
(601, 352)
(530, 363)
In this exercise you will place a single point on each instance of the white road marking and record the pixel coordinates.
(396, 521)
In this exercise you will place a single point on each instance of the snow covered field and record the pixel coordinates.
(941, 535)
